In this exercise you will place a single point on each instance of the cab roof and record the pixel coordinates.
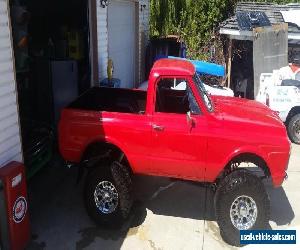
(169, 66)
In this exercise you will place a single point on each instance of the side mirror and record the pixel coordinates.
(190, 119)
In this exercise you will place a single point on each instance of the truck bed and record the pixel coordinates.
(111, 100)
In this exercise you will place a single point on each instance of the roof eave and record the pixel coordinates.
(237, 34)
(248, 35)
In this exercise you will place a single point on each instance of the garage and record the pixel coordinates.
(53, 51)
(121, 40)
(50, 53)
(52, 67)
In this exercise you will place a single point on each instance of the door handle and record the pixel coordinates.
(157, 127)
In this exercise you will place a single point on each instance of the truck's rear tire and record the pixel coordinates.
(107, 195)
(241, 203)
(293, 128)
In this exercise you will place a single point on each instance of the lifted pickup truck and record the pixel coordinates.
(186, 134)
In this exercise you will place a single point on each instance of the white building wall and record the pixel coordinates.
(143, 36)
(102, 37)
(10, 142)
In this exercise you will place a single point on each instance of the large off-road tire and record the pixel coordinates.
(108, 195)
(293, 128)
(241, 198)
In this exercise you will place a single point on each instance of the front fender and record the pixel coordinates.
(216, 166)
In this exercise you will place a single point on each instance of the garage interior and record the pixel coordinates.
(53, 66)
(56, 61)
(51, 49)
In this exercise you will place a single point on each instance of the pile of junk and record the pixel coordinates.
(38, 145)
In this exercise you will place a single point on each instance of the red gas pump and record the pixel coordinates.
(14, 217)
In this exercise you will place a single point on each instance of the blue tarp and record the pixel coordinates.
(205, 67)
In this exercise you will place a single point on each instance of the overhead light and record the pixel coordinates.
(143, 6)
(103, 3)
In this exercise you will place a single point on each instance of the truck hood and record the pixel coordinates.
(240, 109)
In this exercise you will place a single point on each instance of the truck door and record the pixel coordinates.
(178, 140)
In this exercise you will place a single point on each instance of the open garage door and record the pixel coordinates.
(10, 144)
(122, 40)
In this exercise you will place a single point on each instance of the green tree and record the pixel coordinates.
(193, 20)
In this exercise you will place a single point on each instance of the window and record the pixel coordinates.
(173, 95)
(202, 91)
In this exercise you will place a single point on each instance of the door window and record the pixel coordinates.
(173, 95)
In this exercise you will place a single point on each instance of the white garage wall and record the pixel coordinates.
(143, 37)
(10, 143)
(122, 40)
(102, 36)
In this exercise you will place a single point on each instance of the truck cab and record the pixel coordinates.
(179, 123)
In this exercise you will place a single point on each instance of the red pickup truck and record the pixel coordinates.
(186, 134)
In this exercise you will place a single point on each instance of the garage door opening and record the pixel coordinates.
(51, 50)
(122, 37)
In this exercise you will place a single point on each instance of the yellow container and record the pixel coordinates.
(75, 40)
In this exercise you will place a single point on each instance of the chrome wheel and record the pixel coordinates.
(106, 197)
(297, 128)
(243, 212)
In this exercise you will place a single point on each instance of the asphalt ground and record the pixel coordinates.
(167, 213)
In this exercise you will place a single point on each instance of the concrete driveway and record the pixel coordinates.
(167, 214)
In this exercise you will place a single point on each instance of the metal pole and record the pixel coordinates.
(229, 63)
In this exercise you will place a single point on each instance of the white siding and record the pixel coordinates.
(143, 36)
(10, 143)
(102, 37)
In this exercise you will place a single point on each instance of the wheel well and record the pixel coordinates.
(245, 158)
(293, 111)
(103, 152)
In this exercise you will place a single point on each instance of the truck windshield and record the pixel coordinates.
(205, 96)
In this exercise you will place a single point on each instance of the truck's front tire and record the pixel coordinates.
(293, 128)
(107, 195)
(241, 203)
